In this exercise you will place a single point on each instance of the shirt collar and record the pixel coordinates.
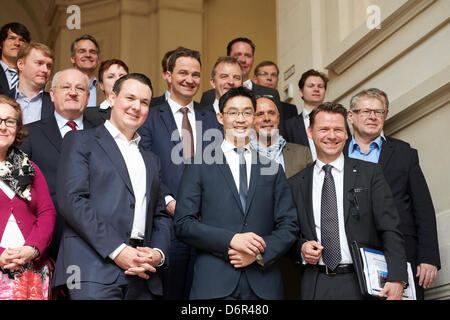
(20, 94)
(338, 164)
(61, 121)
(167, 95)
(5, 66)
(175, 107)
(94, 82)
(248, 84)
(117, 135)
(305, 114)
(377, 143)
(228, 146)
(105, 105)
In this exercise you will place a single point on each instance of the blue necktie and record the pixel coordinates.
(14, 78)
(242, 177)
(329, 222)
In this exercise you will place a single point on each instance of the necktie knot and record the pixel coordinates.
(327, 168)
(184, 110)
(72, 124)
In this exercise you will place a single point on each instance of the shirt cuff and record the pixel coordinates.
(116, 252)
(168, 199)
(163, 259)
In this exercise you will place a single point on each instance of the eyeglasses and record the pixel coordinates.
(235, 114)
(9, 122)
(266, 75)
(67, 88)
(367, 112)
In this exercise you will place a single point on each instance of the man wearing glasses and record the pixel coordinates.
(237, 211)
(400, 163)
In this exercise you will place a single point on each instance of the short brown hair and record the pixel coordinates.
(329, 107)
(313, 73)
(21, 131)
(108, 63)
(265, 64)
(182, 52)
(224, 59)
(26, 48)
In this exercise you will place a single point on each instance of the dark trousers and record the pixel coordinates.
(179, 274)
(243, 290)
(124, 288)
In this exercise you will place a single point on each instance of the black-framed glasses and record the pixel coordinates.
(367, 112)
(9, 122)
(235, 114)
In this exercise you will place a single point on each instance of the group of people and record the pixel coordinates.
(236, 197)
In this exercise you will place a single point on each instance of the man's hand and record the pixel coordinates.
(125, 259)
(147, 259)
(427, 274)
(170, 207)
(312, 251)
(240, 259)
(249, 243)
(393, 290)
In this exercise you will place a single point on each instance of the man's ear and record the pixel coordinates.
(211, 82)
(220, 118)
(309, 131)
(112, 98)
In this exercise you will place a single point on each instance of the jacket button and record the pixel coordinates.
(245, 223)
(132, 206)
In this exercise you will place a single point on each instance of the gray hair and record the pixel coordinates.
(368, 93)
(55, 78)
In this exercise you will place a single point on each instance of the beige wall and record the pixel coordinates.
(406, 57)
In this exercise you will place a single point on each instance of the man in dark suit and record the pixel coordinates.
(293, 158)
(266, 74)
(226, 74)
(34, 65)
(175, 131)
(43, 144)
(243, 50)
(341, 200)
(237, 212)
(312, 88)
(12, 36)
(164, 64)
(109, 193)
(400, 163)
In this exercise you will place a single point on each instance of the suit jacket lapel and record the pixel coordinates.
(226, 172)
(169, 122)
(51, 131)
(387, 149)
(254, 176)
(107, 143)
(47, 106)
(306, 186)
(350, 173)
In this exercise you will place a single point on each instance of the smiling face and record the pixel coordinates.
(70, 93)
(267, 76)
(130, 106)
(7, 134)
(237, 127)
(266, 121)
(228, 75)
(85, 57)
(243, 53)
(329, 135)
(35, 69)
(184, 80)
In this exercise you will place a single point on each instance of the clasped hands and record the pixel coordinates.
(137, 261)
(244, 247)
(15, 258)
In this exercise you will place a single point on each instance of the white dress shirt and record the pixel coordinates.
(232, 158)
(248, 84)
(338, 175)
(105, 105)
(216, 106)
(312, 147)
(64, 127)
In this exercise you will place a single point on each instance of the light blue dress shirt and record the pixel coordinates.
(31, 108)
(354, 151)
(93, 93)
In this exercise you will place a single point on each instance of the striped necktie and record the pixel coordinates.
(14, 78)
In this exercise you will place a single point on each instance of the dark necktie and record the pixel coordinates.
(242, 177)
(186, 135)
(72, 124)
(329, 223)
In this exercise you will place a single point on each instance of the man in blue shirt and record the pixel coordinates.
(400, 163)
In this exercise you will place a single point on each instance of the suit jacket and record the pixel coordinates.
(48, 108)
(289, 110)
(157, 133)
(209, 191)
(96, 115)
(296, 158)
(4, 84)
(375, 224)
(43, 146)
(96, 198)
(158, 100)
(412, 199)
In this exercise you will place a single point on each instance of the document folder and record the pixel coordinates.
(371, 270)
